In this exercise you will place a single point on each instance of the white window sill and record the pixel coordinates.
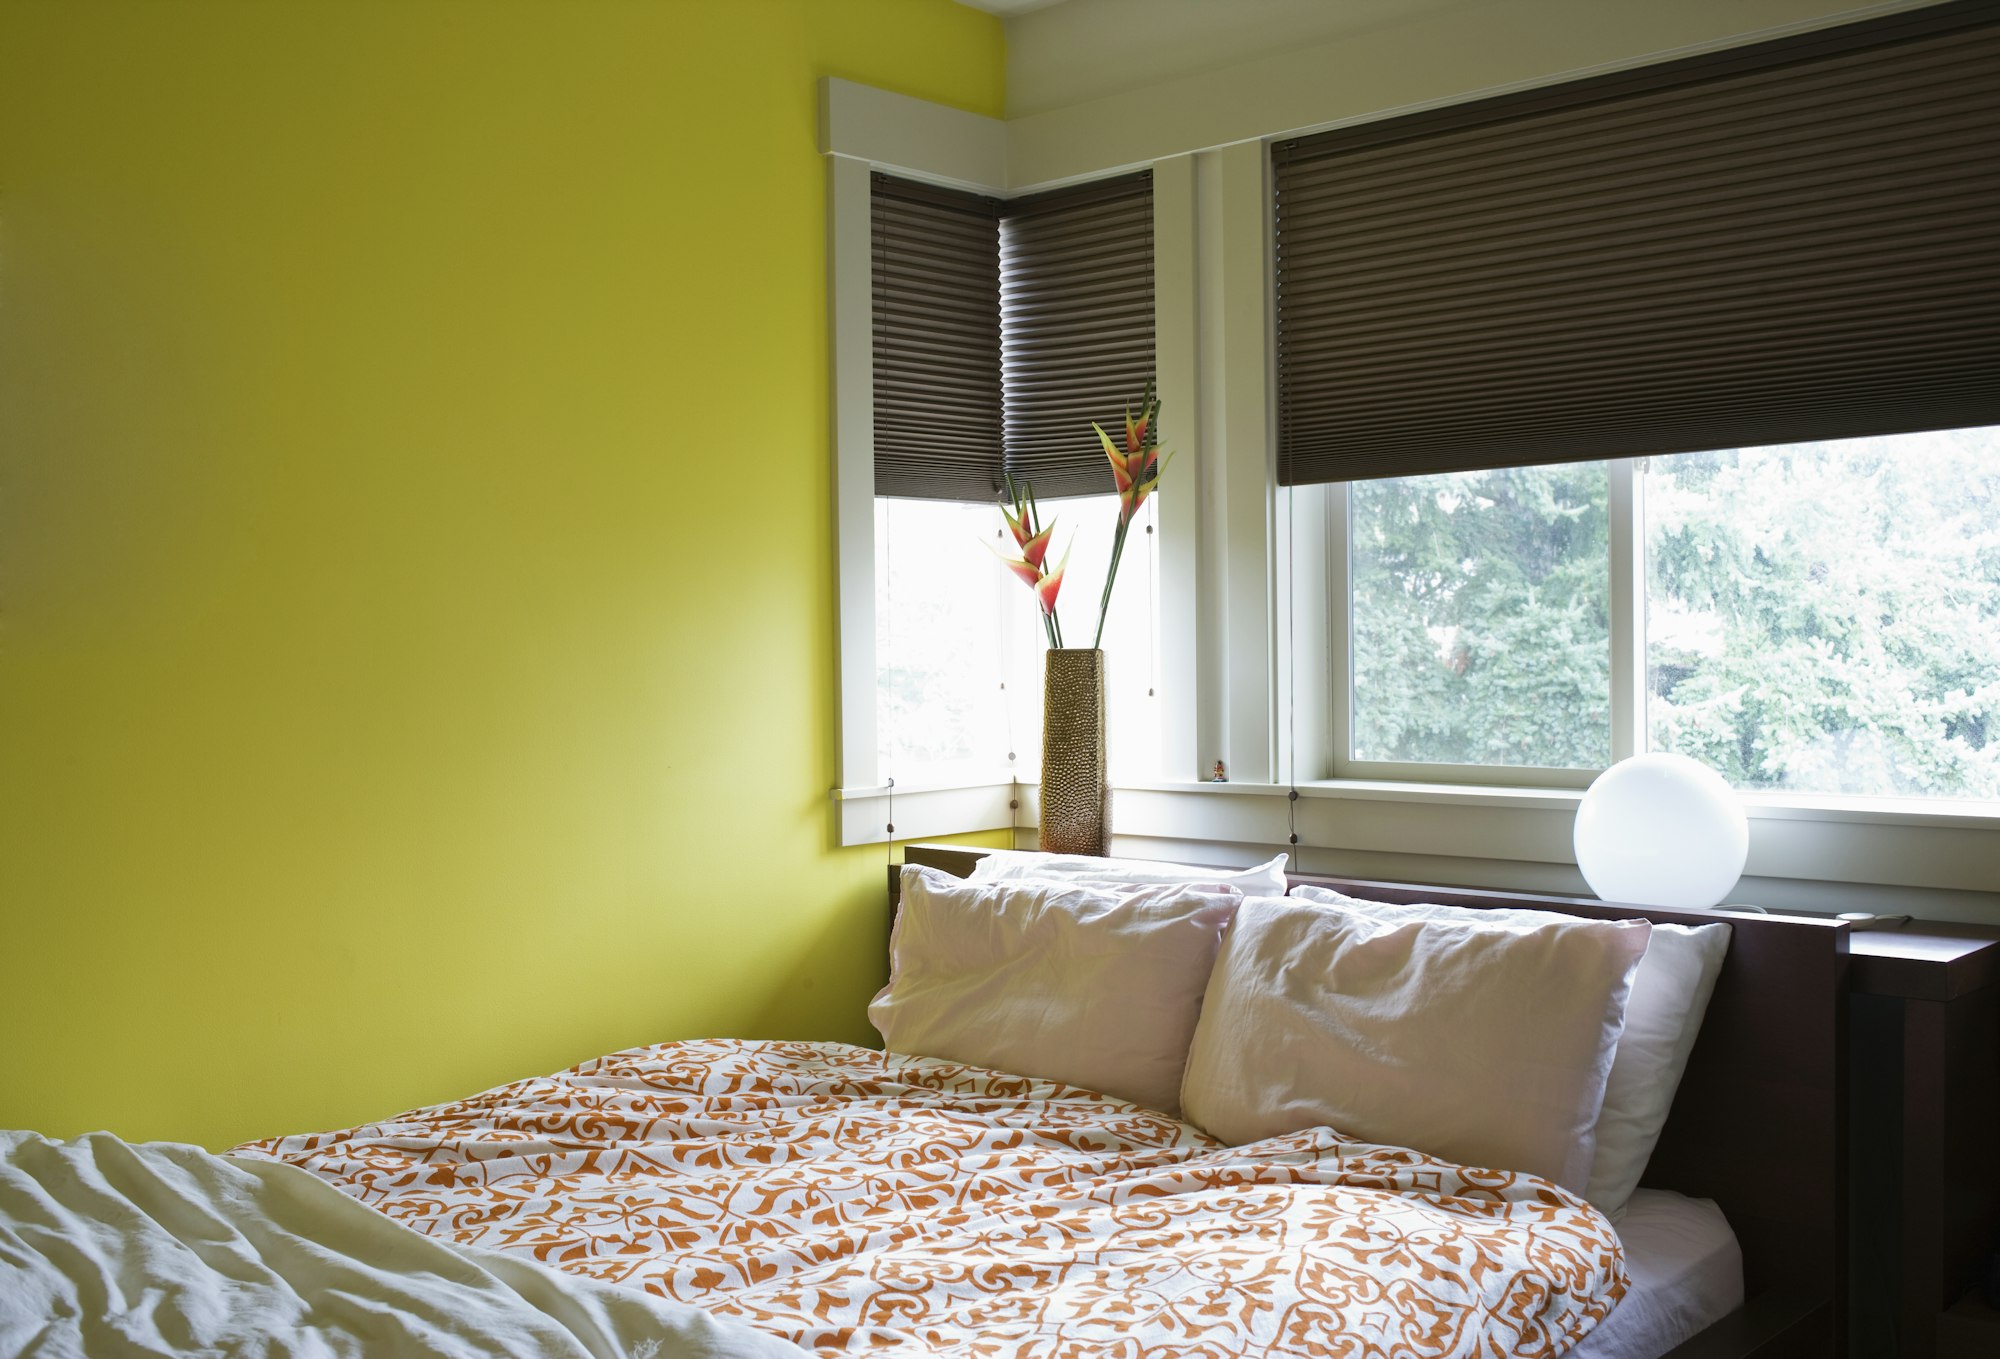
(920, 808)
(1758, 806)
(1826, 854)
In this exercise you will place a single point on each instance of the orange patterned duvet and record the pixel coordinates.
(853, 1201)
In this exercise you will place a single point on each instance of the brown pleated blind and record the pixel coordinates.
(1076, 306)
(1791, 241)
(937, 342)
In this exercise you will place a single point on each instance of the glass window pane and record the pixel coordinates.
(1825, 617)
(1481, 618)
(951, 623)
(939, 646)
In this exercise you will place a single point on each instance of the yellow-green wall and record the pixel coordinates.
(416, 603)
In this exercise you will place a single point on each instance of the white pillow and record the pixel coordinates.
(1670, 994)
(1003, 865)
(1484, 1047)
(1089, 987)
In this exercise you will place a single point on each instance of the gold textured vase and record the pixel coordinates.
(1076, 797)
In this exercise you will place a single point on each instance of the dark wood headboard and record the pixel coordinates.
(1759, 1122)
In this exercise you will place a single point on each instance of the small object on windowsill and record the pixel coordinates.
(1218, 776)
(1863, 920)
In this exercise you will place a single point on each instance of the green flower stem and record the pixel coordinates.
(1110, 576)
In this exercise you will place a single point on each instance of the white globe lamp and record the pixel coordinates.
(1661, 830)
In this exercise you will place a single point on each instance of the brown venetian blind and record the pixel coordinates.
(1076, 307)
(1789, 241)
(937, 341)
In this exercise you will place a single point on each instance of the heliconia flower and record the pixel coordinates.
(1135, 432)
(1037, 547)
(1136, 469)
(1018, 508)
(1048, 586)
(1130, 470)
(1121, 465)
(1022, 525)
(1029, 569)
(1029, 572)
(1130, 501)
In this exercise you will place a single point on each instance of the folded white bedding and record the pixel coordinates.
(110, 1248)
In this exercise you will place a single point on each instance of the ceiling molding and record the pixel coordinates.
(1440, 54)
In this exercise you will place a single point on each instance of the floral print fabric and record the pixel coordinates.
(854, 1201)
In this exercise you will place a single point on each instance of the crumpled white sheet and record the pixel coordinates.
(108, 1248)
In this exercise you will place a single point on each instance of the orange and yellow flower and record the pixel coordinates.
(1032, 537)
(1135, 469)
(1047, 586)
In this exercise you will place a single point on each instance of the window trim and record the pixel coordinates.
(851, 354)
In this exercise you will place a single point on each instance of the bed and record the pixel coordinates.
(1757, 1127)
(842, 1200)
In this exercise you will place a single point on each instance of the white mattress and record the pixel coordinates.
(1687, 1272)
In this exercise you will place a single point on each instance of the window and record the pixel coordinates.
(1778, 250)
(959, 646)
(1825, 617)
(1000, 332)
(1480, 617)
(941, 660)
(1819, 618)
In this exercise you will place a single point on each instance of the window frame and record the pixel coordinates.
(1326, 593)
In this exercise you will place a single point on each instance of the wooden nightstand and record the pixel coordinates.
(1925, 1042)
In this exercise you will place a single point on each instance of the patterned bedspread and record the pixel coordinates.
(853, 1201)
